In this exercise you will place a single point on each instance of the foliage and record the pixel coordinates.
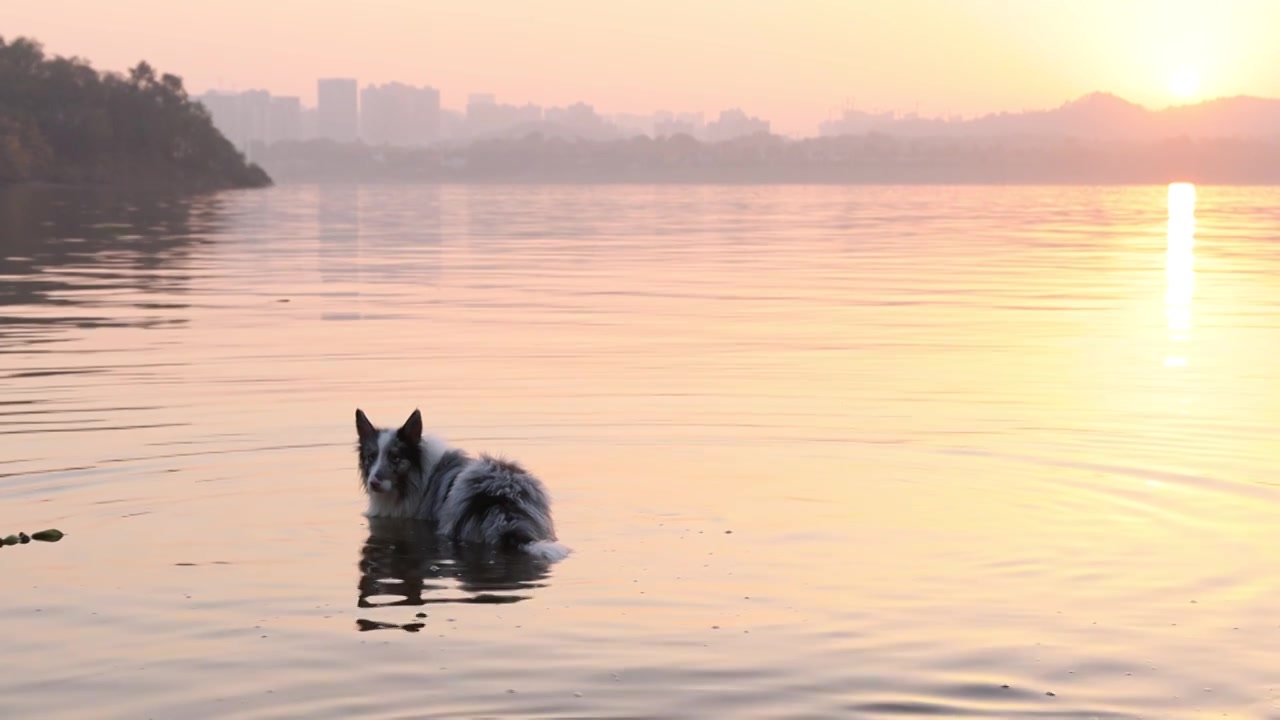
(62, 121)
(868, 158)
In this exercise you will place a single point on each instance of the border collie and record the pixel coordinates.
(469, 499)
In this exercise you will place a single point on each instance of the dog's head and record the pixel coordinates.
(389, 458)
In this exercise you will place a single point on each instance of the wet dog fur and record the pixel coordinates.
(481, 499)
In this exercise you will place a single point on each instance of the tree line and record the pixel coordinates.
(867, 158)
(63, 122)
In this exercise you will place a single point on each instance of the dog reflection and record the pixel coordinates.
(404, 563)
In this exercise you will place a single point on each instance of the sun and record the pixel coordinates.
(1184, 83)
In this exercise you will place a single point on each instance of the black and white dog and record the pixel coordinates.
(469, 499)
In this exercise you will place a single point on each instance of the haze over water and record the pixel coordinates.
(820, 451)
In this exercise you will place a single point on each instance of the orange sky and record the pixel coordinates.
(794, 62)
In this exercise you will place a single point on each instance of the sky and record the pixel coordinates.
(793, 62)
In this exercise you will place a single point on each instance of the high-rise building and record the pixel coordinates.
(666, 124)
(399, 114)
(224, 110)
(310, 124)
(630, 124)
(453, 124)
(338, 110)
(734, 124)
(254, 116)
(486, 116)
(425, 111)
(579, 119)
(284, 119)
(255, 113)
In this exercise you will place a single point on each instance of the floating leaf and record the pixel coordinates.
(47, 535)
(11, 540)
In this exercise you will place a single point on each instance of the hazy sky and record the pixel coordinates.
(794, 62)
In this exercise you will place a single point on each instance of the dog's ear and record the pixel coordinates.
(411, 431)
(364, 428)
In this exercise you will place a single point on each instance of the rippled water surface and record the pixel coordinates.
(820, 452)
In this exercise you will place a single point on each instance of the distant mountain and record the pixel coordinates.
(1096, 116)
(1240, 116)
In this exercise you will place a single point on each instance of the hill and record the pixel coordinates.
(63, 122)
(1096, 116)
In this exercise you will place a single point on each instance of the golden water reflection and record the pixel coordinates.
(803, 472)
(1180, 274)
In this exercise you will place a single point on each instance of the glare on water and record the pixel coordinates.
(819, 451)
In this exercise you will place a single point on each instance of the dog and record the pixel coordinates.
(486, 500)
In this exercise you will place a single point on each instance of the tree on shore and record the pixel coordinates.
(62, 121)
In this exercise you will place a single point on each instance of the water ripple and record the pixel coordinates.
(820, 451)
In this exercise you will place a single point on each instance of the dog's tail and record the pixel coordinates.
(546, 550)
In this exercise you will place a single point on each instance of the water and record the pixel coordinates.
(820, 451)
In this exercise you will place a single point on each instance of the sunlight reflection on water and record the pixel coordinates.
(820, 451)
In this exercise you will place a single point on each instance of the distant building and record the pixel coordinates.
(666, 124)
(453, 124)
(224, 109)
(284, 119)
(733, 124)
(310, 122)
(424, 111)
(253, 116)
(399, 114)
(857, 122)
(255, 113)
(380, 113)
(632, 125)
(579, 119)
(485, 116)
(337, 107)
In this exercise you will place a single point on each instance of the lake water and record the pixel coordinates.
(819, 451)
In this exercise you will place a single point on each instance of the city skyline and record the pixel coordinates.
(400, 114)
(797, 64)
